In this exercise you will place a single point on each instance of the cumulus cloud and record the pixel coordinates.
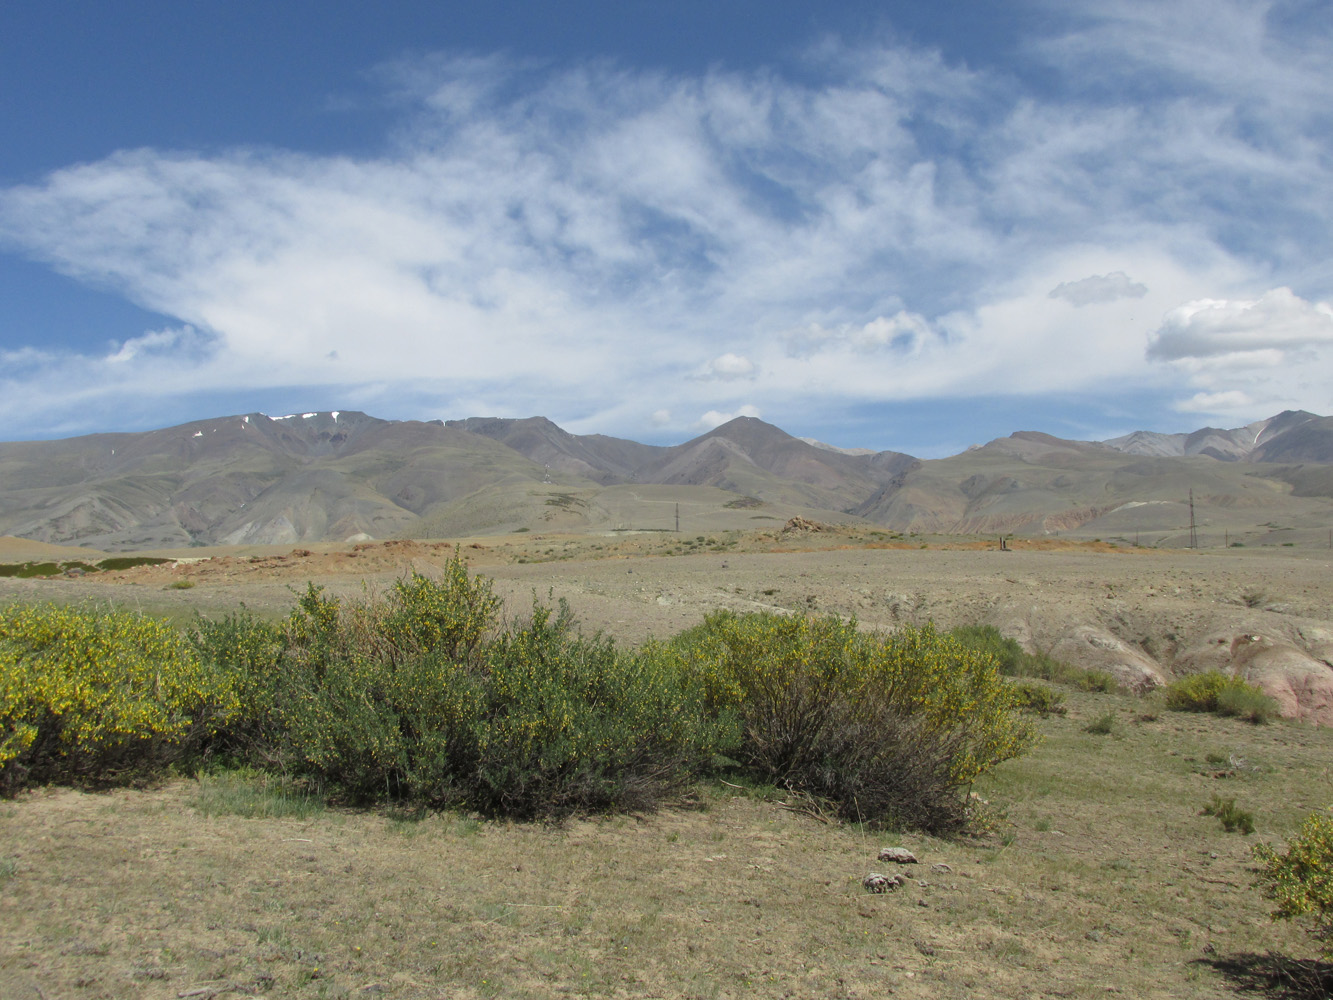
(903, 333)
(730, 366)
(1210, 328)
(1099, 288)
(882, 225)
(716, 418)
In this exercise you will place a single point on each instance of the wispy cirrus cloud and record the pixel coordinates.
(613, 247)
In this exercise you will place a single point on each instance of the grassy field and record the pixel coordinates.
(1100, 876)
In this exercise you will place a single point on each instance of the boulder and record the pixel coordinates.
(876, 882)
(901, 855)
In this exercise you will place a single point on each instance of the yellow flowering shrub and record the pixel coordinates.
(97, 695)
(1300, 880)
(889, 726)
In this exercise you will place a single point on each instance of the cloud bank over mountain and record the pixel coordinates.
(1136, 200)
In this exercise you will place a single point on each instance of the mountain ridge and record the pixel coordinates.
(346, 476)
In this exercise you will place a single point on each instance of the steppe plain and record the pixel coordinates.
(1093, 871)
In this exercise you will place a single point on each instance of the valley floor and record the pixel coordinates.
(1099, 875)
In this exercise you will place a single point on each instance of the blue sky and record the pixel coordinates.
(882, 225)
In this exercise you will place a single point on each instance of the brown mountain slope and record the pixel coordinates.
(747, 455)
(596, 457)
(245, 478)
(345, 475)
(1032, 483)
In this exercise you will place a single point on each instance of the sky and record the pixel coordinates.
(898, 225)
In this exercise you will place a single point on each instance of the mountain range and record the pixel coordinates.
(347, 476)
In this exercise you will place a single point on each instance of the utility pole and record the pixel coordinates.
(1194, 537)
(678, 519)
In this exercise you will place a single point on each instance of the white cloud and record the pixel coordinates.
(1231, 401)
(1099, 288)
(1209, 328)
(716, 418)
(729, 366)
(886, 226)
(155, 341)
(902, 334)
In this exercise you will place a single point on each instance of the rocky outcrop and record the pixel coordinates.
(1096, 649)
(1301, 684)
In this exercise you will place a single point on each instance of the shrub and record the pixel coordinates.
(1103, 725)
(1014, 661)
(891, 728)
(1039, 698)
(129, 562)
(248, 651)
(1232, 817)
(1008, 654)
(1092, 680)
(93, 696)
(1300, 880)
(1222, 694)
(422, 695)
(574, 723)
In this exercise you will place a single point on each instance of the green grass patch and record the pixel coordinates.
(255, 795)
(1220, 694)
(1102, 725)
(1233, 819)
(1014, 661)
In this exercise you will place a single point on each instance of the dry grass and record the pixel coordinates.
(1103, 877)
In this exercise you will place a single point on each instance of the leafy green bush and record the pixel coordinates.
(129, 562)
(1102, 681)
(1233, 818)
(1222, 694)
(890, 728)
(26, 571)
(422, 695)
(574, 723)
(1009, 656)
(1014, 661)
(100, 696)
(1300, 880)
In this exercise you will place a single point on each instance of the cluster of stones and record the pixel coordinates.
(879, 882)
